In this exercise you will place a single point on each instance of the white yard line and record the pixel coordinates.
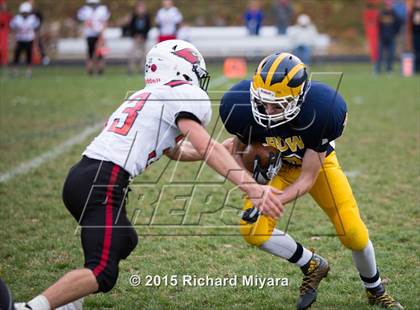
(62, 148)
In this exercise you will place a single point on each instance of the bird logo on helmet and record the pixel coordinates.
(188, 54)
(281, 80)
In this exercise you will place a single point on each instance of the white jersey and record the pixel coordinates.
(24, 27)
(167, 20)
(143, 128)
(94, 19)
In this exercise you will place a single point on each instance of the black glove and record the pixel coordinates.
(250, 215)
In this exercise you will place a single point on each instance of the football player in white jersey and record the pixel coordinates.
(168, 117)
(24, 25)
(168, 20)
(94, 16)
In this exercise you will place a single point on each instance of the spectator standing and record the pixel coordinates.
(168, 20)
(303, 35)
(94, 16)
(415, 33)
(138, 28)
(5, 18)
(24, 25)
(400, 8)
(38, 35)
(389, 26)
(283, 13)
(253, 17)
(370, 21)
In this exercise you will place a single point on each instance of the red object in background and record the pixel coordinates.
(36, 53)
(101, 49)
(5, 18)
(235, 68)
(370, 20)
(164, 38)
(407, 64)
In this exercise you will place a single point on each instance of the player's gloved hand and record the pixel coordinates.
(250, 215)
(264, 175)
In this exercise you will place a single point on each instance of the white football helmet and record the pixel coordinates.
(25, 7)
(175, 60)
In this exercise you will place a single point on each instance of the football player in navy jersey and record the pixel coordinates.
(282, 108)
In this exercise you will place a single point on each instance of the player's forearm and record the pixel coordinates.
(296, 190)
(216, 155)
(190, 155)
(311, 164)
(240, 161)
(235, 147)
(220, 160)
(185, 152)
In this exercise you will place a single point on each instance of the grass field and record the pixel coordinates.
(40, 241)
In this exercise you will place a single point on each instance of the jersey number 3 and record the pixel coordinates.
(131, 114)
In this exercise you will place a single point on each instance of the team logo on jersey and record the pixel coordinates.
(294, 143)
(189, 55)
(288, 147)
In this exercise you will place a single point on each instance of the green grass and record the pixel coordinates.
(39, 243)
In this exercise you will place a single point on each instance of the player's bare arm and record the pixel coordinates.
(265, 198)
(184, 151)
(236, 148)
(311, 164)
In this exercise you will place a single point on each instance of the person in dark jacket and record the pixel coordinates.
(415, 32)
(283, 13)
(39, 39)
(138, 28)
(389, 26)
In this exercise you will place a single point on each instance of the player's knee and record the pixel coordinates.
(107, 277)
(355, 237)
(256, 234)
(131, 242)
(105, 264)
(256, 240)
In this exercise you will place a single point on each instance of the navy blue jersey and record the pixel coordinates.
(321, 120)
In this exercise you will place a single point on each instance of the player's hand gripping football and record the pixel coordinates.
(262, 174)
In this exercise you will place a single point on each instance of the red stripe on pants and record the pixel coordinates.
(108, 222)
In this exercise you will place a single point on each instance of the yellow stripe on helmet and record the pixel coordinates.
(257, 80)
(287, 90)
(273, 69)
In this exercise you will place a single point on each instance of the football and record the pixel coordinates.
(257, 149)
